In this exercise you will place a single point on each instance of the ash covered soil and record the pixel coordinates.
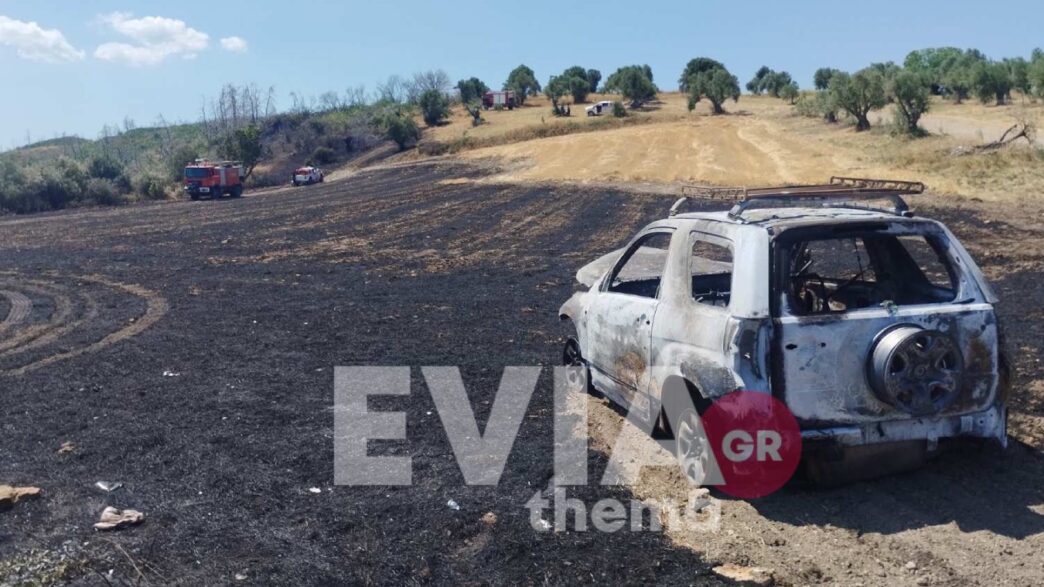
(187, 349)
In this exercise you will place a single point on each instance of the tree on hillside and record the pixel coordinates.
(888, 69)
(576, 80)
(911, 93)
(789, 92)
(523, 82)
(957, 82)
(631, 81)
(774, 82)
(471, 89)
(425, 81)
(821, 79)
(1018, 71)
(716, 85)
(399, 127)
(827, 106)
(434, 107)
(392, 91)
(858, 94)
(244, 145)
(991, 81)
(556, 87)
(1036, 72)
(694, 67)
(754, 85)
(934, 63)
(593, 78)
(648, 72)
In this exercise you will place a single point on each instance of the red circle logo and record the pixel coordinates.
(756, 443)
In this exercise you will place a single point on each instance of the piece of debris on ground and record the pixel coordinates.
(112, 518)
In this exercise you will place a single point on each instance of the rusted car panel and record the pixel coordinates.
(813, 344)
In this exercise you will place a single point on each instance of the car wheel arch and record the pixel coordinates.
(677, 393)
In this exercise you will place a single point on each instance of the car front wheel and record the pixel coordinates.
(571, 357)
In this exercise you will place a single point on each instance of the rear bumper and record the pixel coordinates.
(195, 189)
(992, 423)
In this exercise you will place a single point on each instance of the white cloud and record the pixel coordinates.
(36, 43)
(234, 44)
(155, 39)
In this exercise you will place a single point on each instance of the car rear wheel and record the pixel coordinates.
(690, 446)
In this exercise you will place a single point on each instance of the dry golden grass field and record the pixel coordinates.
(761, 141)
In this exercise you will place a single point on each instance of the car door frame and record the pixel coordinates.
(605, 349)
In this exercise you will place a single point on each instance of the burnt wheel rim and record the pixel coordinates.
(571, 356)
(917, 371)
(691, 447)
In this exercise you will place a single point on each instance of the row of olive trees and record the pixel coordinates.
(960, 74)
(869, 89)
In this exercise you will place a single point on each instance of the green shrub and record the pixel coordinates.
(104, 167)
(618, 110)
(323, 156)
(103, 191)
(434, 107)
(400, 127)
(151, 187)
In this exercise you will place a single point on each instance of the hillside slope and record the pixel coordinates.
(763, 141)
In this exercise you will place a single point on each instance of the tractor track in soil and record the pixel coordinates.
(202, 380)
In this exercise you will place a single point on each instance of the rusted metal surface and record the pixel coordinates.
(820, 365)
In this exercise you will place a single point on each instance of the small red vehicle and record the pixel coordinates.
(214, 179)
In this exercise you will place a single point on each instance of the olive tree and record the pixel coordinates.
(556, 87)
(991, 81)
(716, 85)
(579, 86)
(821, 79)
(754, 85)
(694, 67)
(911, 93)
(632, 82)
(471, 89)
(523, 82)
(858, 94)
(593, 78)
(1036, 72)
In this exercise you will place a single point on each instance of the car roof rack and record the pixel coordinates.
(840, 192)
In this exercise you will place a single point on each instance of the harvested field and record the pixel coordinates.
(186, 350)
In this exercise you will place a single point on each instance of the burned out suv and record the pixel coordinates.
(875, 327)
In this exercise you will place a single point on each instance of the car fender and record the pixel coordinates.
(710, 377)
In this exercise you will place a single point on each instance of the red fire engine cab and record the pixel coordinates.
(213, 179)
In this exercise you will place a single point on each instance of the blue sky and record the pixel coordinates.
(85, 64)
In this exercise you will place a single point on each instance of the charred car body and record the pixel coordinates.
(873, 326)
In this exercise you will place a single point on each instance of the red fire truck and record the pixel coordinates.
(505, 99)
(213, 179)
